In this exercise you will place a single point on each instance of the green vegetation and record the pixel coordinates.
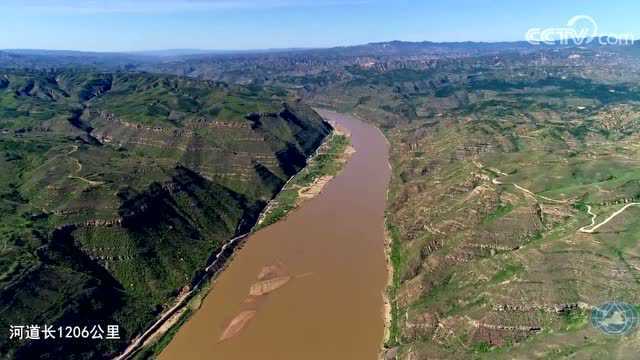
(508, 272)
(501, 210)
(327, 162)
(397, 259)
(495, 162)
(497, 154)
(575, 319)
(481, 347)
(117, 188)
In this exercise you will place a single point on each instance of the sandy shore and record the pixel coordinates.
(313, 190)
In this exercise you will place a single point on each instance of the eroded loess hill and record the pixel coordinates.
(116, 188)
(496, 165)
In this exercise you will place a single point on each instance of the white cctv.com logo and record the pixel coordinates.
(580, 30)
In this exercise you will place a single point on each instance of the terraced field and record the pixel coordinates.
(512, 211)
(116, 189)
(512, 207)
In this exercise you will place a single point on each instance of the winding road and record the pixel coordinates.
(591, 228)
(495, 181)
(79, 170)
(587, 229)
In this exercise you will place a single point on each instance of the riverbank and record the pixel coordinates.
(332, 248)
(393, 260)
(326, 162)
(322, 167)
(157, 336)
(391, 314)
(392, 257)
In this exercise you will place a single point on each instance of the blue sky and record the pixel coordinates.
(119, 25)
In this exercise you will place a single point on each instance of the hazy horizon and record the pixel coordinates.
(214, 50)
(224, 25)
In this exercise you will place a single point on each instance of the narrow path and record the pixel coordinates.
(591, 228)
(495, 181)
(77, 172)
(593, 218)
(588, 229)
(90, 182)
(540, 196)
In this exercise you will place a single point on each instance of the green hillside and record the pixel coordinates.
(498, 167)
(116, 188)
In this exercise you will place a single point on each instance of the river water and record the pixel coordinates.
(333, 247)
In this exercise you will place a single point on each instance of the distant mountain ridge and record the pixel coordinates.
(197, 51)
(396, 47)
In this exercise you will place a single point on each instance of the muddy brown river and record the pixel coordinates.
(333, 250)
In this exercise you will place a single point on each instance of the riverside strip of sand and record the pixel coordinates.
(315, 188)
